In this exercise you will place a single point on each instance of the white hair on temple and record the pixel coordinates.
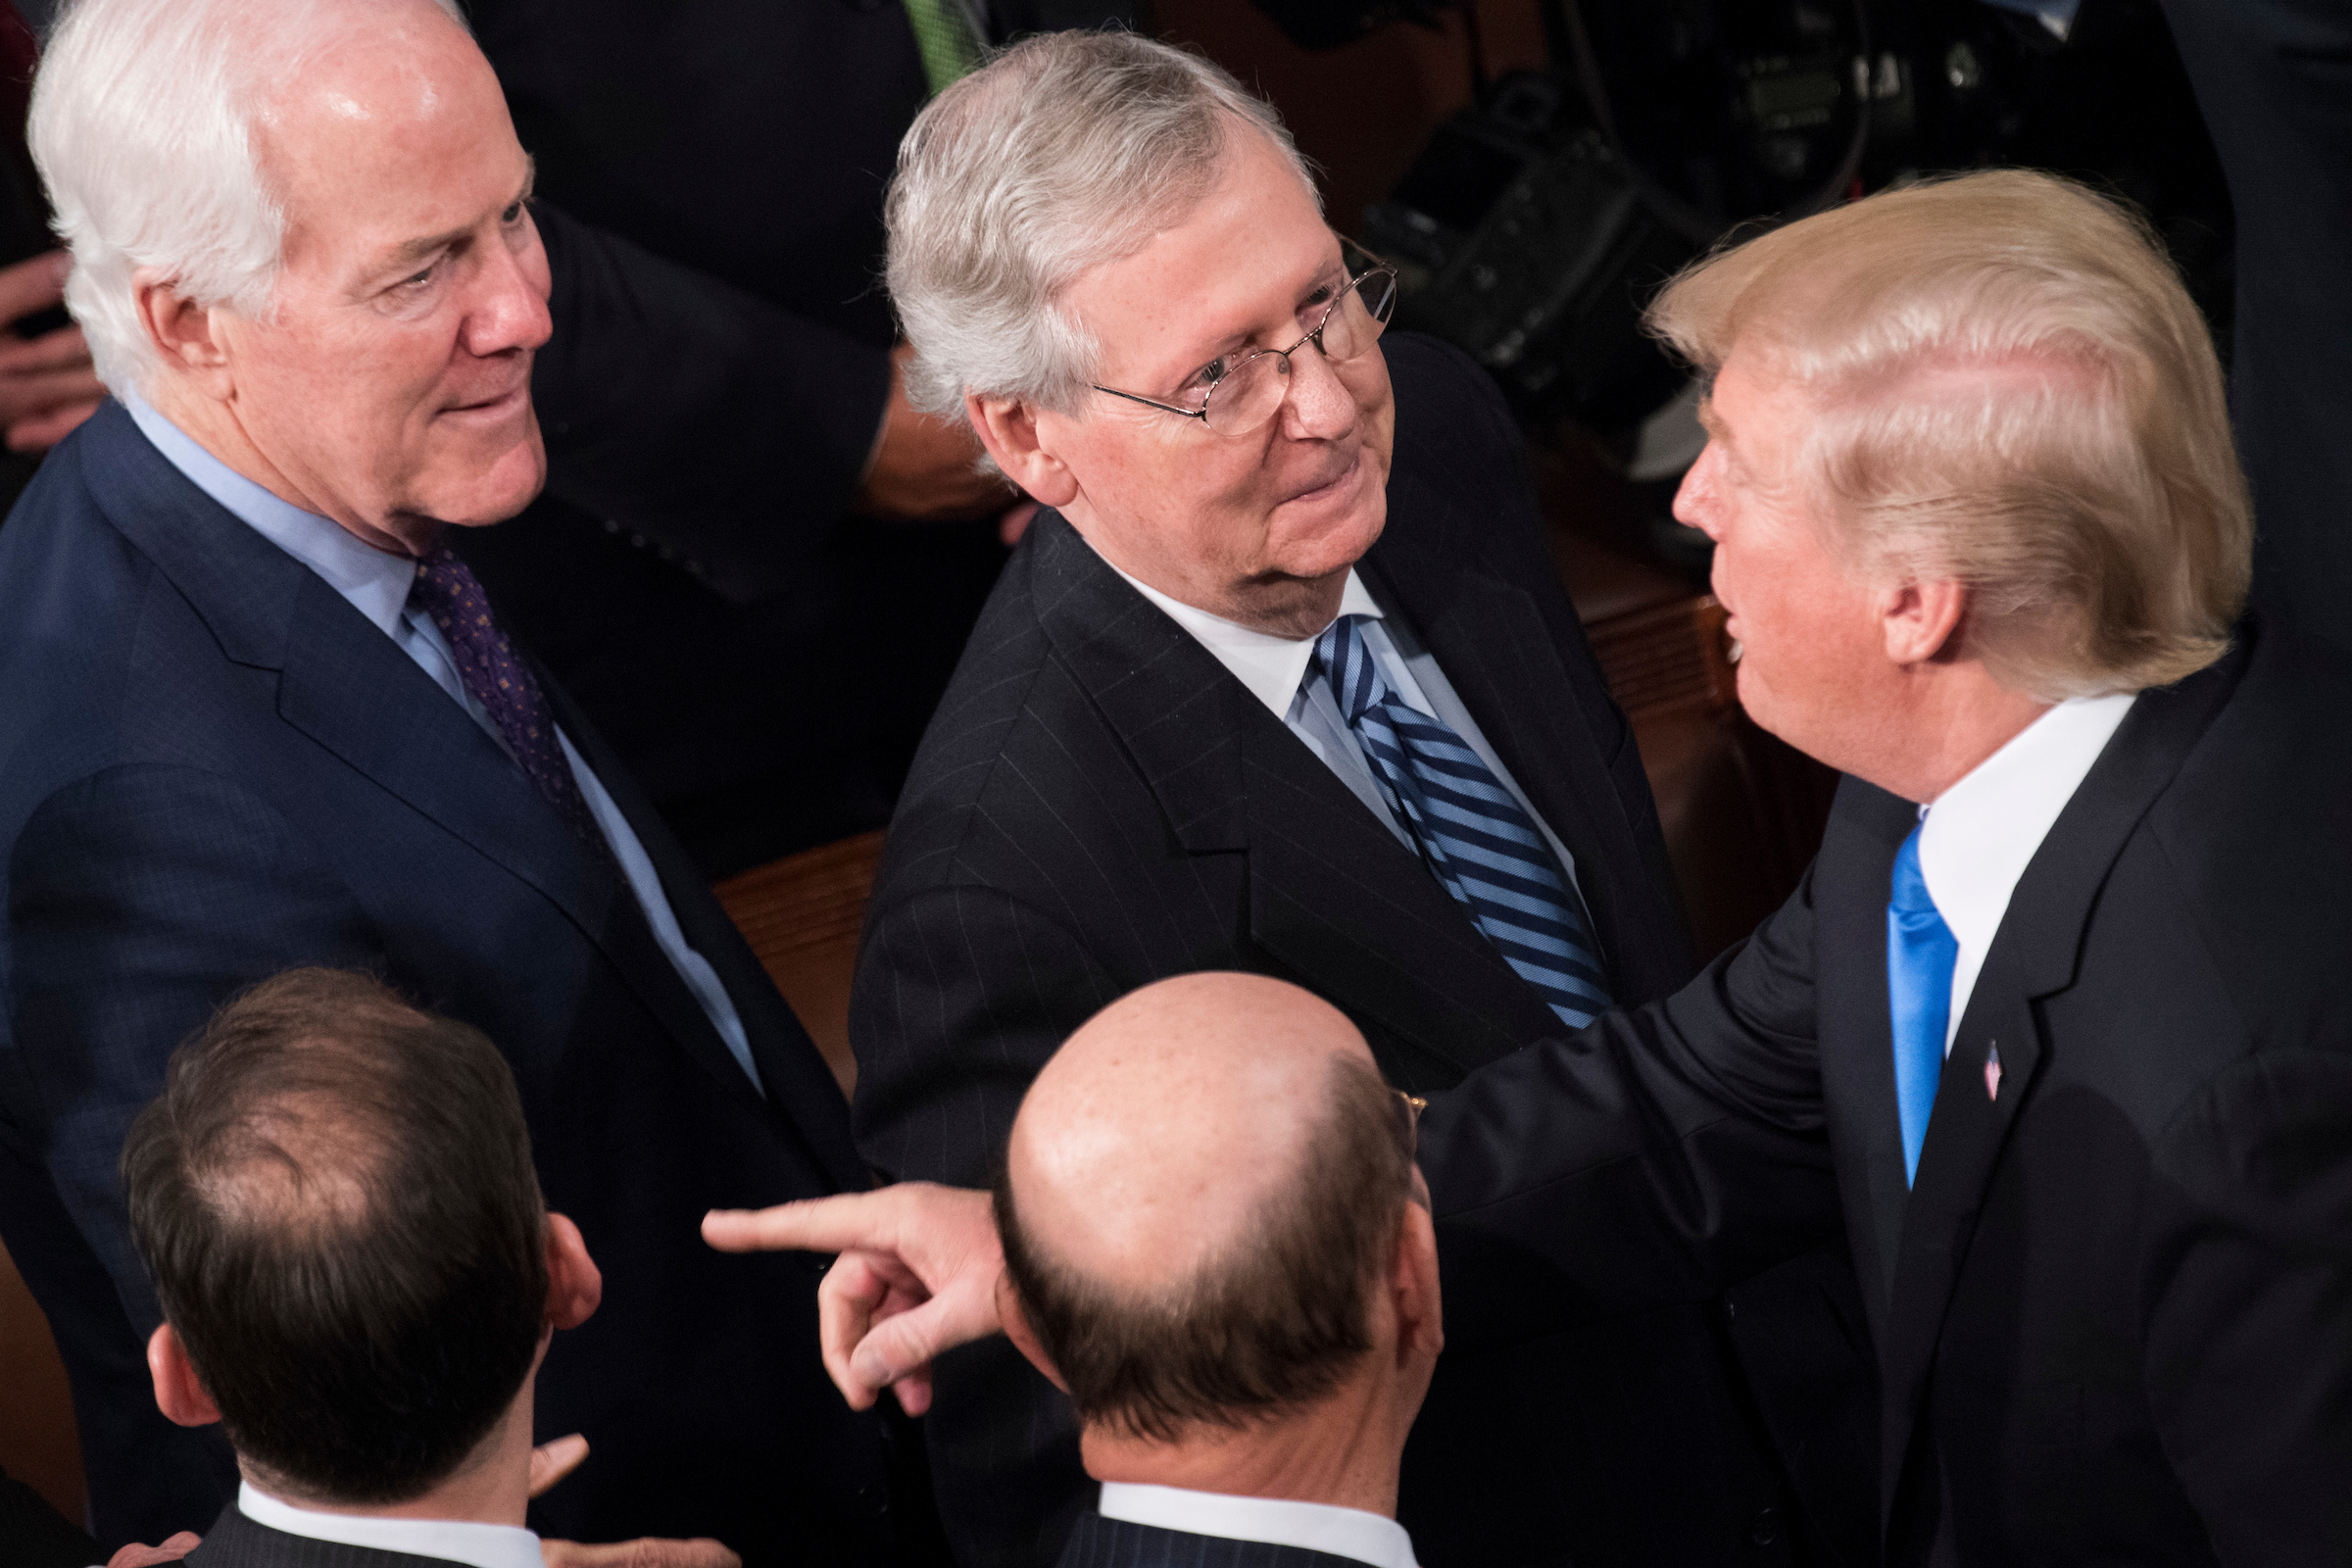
(1067, 151)
(142, 127)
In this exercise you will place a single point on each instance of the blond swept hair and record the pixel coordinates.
(2009, 387)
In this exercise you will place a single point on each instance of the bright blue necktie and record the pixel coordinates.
(1920, 951)
(1478, 842)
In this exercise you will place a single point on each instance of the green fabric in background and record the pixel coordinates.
(942, 32)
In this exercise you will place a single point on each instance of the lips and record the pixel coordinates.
(1322, 488)
(504, 402)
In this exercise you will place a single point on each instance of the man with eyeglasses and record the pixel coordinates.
(1284, 681)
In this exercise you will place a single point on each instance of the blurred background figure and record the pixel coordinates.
(1216, 1243)
(46, 384)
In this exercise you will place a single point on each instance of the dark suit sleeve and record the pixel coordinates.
(1658, 1155)
(690, 411)
(2246, 1288)
(963, 995)
(139, 900)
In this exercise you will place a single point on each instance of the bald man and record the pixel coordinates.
(1222, 1253)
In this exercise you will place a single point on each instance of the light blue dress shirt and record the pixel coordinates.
(376, 585)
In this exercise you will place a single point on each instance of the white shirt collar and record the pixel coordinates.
(1981, 834)
(1367, 1538)
(1271, 666)
(451, 1540)
(376, 582)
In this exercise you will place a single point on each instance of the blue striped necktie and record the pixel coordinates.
(1478, 842)
(1921, 952)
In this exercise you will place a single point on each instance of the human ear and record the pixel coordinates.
(180, 329)
(1007, 429)
(1024, 1337)
(179, 1392)
(1413, 1281)
(574, 1285)
(1918, 620)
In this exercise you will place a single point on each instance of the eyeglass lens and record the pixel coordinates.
(1250, 393)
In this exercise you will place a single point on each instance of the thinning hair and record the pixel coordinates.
(335, 1198)
(1067, 151)
(143, 125)
(1273, 1319)
(2009, 387)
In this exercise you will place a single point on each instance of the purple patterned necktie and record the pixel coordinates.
(446, 590)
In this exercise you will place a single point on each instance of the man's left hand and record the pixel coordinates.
(927, 470)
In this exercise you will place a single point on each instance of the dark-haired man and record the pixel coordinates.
(335, 1198)
(1224, 1256)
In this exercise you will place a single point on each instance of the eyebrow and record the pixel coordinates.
(1325, 277)
(1711, 422)
(409, 253)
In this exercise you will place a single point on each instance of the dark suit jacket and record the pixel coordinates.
(211, 767)
(1100, 804)
(2114, 1317)
(2271, 77)
(236, 1541)
(1100, 1543)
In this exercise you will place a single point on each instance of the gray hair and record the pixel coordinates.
(142, 126)
(1068, 150)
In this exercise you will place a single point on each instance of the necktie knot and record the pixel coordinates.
(1346, 666)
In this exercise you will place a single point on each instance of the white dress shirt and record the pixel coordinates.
(1367, 1538)
(1980, 833)
(376, 583)
(451, 1540)
(1274, 669)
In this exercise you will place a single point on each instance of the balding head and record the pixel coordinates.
(1200, 1199)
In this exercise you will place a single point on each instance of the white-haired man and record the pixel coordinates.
(259, 716)
(1286, 683)
(2056, 1029)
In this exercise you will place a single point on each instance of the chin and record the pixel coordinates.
(496, 492)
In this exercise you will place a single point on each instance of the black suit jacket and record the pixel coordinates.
(2269, 77)
(2113, 1318)
(1100, 1543)
(236, 1541)
(1100, 804)
(211, 767)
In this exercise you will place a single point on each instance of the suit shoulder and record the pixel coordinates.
(1100, 1543)
(2258, 835)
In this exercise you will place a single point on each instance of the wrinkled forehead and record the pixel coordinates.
(350, 127)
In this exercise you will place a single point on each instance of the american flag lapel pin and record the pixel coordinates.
(1992, 1070)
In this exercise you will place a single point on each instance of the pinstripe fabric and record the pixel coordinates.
(236, 1541)
(1099, 804)
(1100, 1543)
(1475, 838)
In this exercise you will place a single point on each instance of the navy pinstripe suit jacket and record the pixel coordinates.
(1099, 804)
(1100, 1543)
(211, 767)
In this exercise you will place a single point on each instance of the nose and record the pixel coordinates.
(509, 310)
(1317, 406)
(1698, 500)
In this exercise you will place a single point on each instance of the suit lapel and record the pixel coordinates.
(351, 690)
(1332, 892)
(1853, 883)
(2033, 956)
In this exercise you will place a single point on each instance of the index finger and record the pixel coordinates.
(839, 1224)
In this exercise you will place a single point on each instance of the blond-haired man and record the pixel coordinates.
(2055, 1029)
